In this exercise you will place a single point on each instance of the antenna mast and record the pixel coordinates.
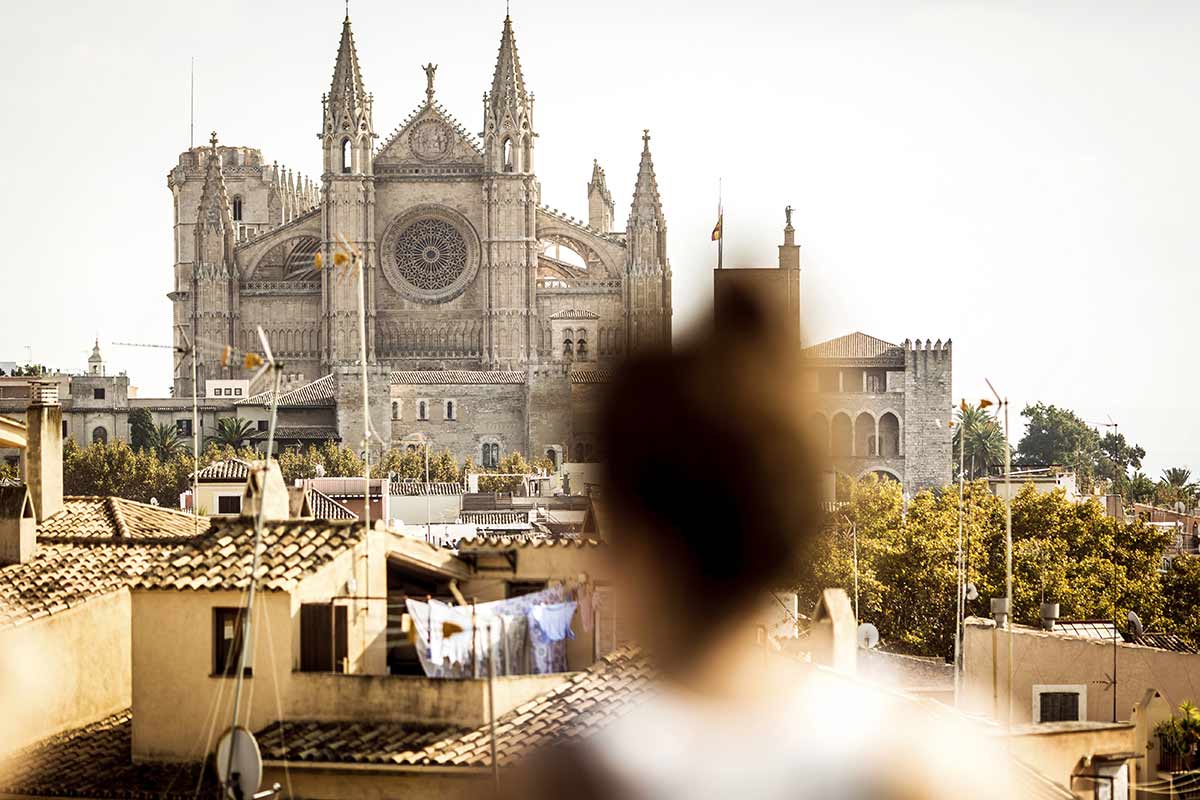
(192, 107)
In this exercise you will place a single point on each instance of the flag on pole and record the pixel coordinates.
(716, 234)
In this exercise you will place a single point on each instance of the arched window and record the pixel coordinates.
(99, 434)
(412, 448)
(842, 434)
(864, 435)
(552, 457)
(508, 155)
(345, 156)
(491, 455)
(889, 435)
(395, 410)
(451, 411)
(568, 348)
(422, 410)
(581, 349)
(237, 208)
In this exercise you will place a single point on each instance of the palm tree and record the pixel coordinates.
(165, 442)
(232, 431)
(1177, 485)
(984, 444)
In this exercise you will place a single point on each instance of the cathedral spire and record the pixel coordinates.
(508, 112)
(600, 202)
(214, 213)
(347, 128)
(508, 84)
(646, 202)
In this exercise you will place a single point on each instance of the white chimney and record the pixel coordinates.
(18, 527)
(43, 458)
(265, 486)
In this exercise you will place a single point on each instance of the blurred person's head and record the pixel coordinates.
(711, 486)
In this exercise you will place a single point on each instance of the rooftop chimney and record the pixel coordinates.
(43, 459)
(18, 527)
(1049, 615)
(266, 486)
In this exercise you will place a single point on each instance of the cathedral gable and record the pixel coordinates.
(429, 141)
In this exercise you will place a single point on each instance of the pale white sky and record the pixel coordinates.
(1020, 177)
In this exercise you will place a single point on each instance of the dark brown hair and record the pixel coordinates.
(707, 452)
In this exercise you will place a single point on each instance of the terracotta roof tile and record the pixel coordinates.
(316, 393)
(95, 761)
(410, 488)
(116, 518)
(442, 376)
(495, 517)
(220, 559)
(323, 507)
(231, 469)
(583, 375)
(579, 707)
(855, 346)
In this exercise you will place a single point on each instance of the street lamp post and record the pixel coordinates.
(1008, 544)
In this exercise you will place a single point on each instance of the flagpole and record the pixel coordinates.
(721, 223)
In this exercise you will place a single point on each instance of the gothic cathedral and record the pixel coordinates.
(489, 316)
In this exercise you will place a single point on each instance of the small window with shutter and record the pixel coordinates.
(1059, 703)
(324, 631)
(227, 641)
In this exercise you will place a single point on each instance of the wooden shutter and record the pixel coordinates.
(316, 636)
(341, 635)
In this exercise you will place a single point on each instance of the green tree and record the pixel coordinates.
(8, 472)
(165, 442)
(1181, 598)
(141, 428)
(1140, 488)
(31, 371)
(1058, 436)
(979, 435)
(233, 431)
(1117, 458)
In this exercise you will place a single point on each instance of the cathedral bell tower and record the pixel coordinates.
(347, 206)
(511, 194)
(648, 273)
(214, 287)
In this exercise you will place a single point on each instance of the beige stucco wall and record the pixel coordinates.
(65, 670)
(207, 494)
(1057, 755)
(1041, 658)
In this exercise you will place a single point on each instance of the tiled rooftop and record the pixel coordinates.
(451, 376)
(94, 546)
(579, 707)
(316, 393)
(311, 433)
(94, 761)
(407, 488)
(116, 518)
(64, 575)
(325, 507)
(221, 558)
(495, 517)
(584, 375)
(523, 539)
(231, 469)
(855, 346)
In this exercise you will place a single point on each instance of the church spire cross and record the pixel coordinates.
(212, 140)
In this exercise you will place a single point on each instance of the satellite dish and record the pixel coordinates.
(246, 765)
(868, 636)
(1135, 622)
(1180, 506)
(320, 470)
(972, 592)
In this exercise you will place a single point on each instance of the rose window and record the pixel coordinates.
(430, 254)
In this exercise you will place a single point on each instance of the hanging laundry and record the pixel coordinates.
(554, 620)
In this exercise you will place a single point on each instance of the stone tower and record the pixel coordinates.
(511, 194)
(214, 288)
(928, 456)
(600, 202)
(348, 205)
(648, 273)
(95, 360)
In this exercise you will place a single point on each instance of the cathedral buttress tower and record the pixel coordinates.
(214, 277)
(600, 202)
(648, 273)
(510, 200)
(347, 206)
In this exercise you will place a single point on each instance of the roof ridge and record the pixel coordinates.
(118, 517)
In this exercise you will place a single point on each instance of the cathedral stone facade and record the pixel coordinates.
(490, 317)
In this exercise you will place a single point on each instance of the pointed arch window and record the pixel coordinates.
(568, 349)
(508, 155)
(491, 455)
(581, 348)
(395, 409)
(345, 156)
(237, 208)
